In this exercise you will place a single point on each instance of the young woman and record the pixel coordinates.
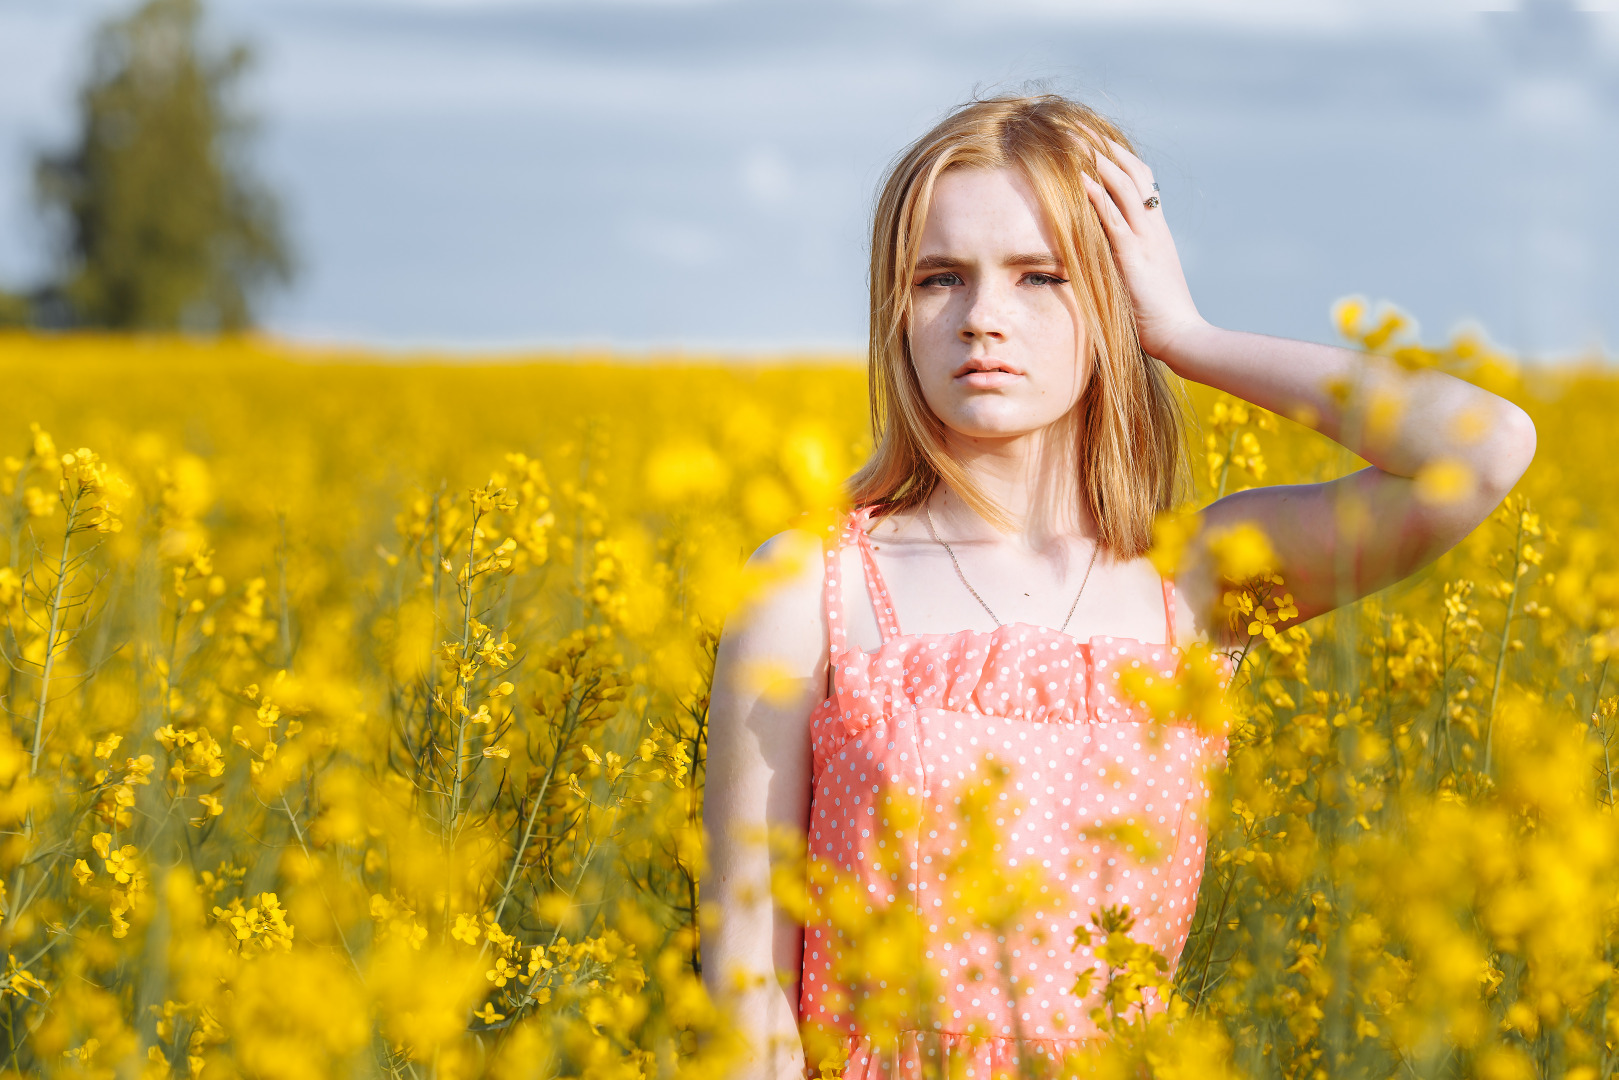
(1027, 307)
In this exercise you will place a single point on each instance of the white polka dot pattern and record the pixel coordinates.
(915, 721)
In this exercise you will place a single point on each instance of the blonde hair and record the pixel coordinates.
(1131, 426)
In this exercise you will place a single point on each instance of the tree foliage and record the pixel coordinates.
(165, 225)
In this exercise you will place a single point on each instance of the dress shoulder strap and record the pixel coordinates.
(852, 531)
(1169, 610)
(837, 635)
(881, 602)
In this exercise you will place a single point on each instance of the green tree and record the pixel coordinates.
(164, 224)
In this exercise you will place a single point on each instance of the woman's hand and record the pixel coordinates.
(1144, 251)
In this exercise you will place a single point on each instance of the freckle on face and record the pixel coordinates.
(986, 309)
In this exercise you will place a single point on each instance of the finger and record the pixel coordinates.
(1136, 168)
(1113, 220)
(1104, 146)
(1092, 137)
(1139, 200)
(1126, 196)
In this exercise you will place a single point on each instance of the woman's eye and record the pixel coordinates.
(1045, 279)
(941, 279)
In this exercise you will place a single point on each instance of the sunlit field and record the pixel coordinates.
(356, 728)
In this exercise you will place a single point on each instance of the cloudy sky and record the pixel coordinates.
(698, 173)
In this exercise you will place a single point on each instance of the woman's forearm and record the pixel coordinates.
(741, 977)
(1398, 420)
(746, 937)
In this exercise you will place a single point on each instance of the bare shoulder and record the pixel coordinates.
(781, 618)
(787, 569)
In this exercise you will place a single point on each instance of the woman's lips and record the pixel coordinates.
(987, 380)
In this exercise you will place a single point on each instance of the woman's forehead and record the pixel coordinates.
(986, 209)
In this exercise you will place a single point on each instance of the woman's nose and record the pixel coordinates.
(985, 316)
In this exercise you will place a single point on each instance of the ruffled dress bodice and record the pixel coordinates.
(908, 727)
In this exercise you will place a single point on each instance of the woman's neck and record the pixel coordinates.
(1034, 478)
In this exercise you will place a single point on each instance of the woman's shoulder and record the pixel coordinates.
(796, 559)
(780, 609)
(792, 559)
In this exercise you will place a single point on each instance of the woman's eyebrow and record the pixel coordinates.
(1022, 258)
(1031, 258)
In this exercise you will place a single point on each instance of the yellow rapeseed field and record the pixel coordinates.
(356, 728)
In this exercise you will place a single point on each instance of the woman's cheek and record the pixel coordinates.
(930, 352)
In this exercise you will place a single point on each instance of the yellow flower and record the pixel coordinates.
(259, 922)
(466, 929)
(1413, 838)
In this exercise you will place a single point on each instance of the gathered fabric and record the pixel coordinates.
(1109, 804)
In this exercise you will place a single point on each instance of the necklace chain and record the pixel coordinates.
(956, 563)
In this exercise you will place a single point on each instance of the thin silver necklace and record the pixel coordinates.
(954, 562)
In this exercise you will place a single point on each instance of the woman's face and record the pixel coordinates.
(996, 336)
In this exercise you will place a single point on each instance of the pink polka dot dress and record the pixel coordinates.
(915, 720)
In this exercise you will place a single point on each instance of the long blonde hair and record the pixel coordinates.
(1131, 426)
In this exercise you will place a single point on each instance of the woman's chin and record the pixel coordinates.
(998, 428)
(998, 416)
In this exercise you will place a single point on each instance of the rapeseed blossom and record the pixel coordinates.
(357, 727)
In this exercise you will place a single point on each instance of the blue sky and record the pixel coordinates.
(698, 175)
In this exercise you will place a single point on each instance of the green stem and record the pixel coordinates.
(1518, 570)
(45, 678)
(1607, 759)
(1214, 936)
(1225, 466)
(438, 576)
(50, 642)
(298, 833)
(285, 628)
(569, 724)
(1444, 692)
(461, 683)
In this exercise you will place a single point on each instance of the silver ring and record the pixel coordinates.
(1152, 202)
(1155, 185)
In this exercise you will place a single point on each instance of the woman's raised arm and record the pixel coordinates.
(1340, 540)
(768, 675)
